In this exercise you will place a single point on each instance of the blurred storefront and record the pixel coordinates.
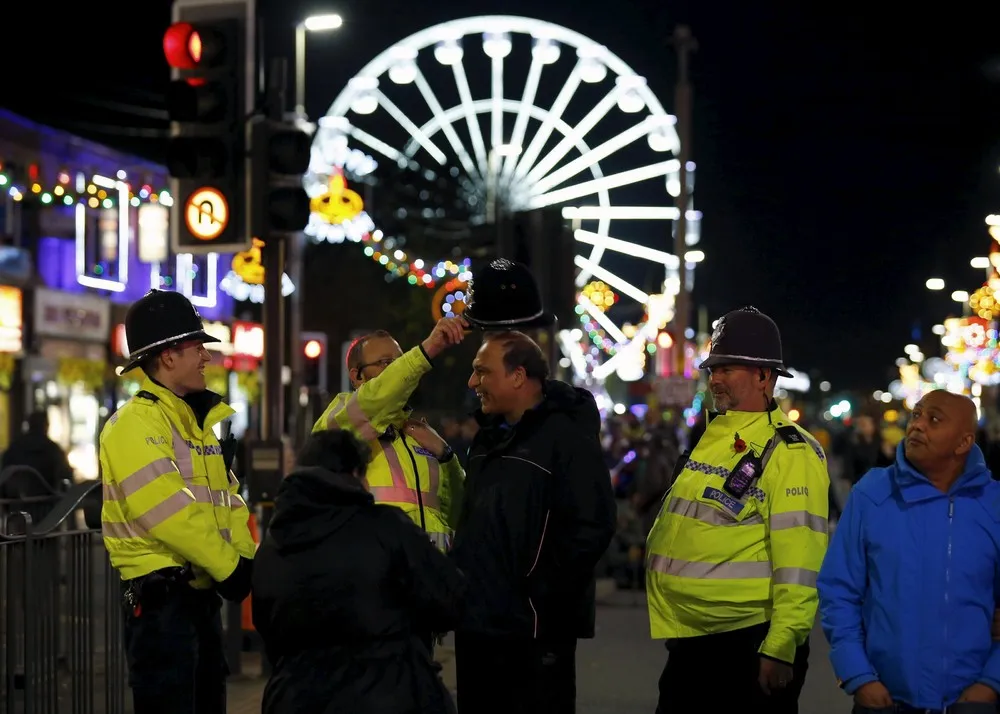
(67, 373)
(11, 349)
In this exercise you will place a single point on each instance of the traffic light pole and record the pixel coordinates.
(273, 258)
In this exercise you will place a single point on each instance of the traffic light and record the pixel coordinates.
(314, 364)
(279, 156)
(210, 50)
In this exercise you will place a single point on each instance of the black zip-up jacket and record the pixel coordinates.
(538, 515)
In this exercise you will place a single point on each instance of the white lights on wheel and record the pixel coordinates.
(365, 99)
(496, 45)
(592, 69)
(545, 50)
(629, 99)
(630, 102)
(404, 70)
(448, 52)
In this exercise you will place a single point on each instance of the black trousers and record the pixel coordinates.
(175, 652)
(719, 673)
(515, 676)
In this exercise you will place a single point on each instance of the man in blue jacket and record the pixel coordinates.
(912, 578)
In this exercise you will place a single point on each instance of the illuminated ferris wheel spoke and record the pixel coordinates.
(619, 284)
(581, 130)
(496, 113)
(378, 145)
(449, 131)
(601, 318)
(623, 246)
(625, 213)
(611, 181)
(521, 122)
(471, 118)
(555, 113)
(593, 156)
(411, 128)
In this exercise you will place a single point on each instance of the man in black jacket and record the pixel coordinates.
(538, 515)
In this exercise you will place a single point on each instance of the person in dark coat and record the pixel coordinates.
(538, 515)
(35, 449)
(342, 586)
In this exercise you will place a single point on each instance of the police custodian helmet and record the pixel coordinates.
(746, 337)
(159, 320)
(504, 296)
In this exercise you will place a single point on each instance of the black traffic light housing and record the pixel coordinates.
(314, 366)
(279, 155)
(211, 51)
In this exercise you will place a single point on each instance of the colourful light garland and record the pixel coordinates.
(69, 192)
(400, 265)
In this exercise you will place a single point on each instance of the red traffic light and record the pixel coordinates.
(189, 47)
(313, 349)
(182, 46)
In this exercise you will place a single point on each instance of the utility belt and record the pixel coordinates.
(161, 586)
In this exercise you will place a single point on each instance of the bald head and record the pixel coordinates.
(956, 406)
(941, 431)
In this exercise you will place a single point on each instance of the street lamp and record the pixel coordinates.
(313, 23)
(935, 284)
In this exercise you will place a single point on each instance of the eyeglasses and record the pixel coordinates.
(383, 363)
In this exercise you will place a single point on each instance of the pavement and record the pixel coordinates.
(617, 671)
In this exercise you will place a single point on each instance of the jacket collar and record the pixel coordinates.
(736, 420)
(914, 486)
(181, 411)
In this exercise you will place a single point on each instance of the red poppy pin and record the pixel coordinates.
(739, 445)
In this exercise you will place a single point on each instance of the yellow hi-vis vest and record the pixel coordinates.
(168, 499)
(717, 563)
(376, 413)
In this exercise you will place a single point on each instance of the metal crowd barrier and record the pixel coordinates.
(61, 646)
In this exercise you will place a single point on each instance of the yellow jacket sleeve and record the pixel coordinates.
(141, 474)
(379, 402)
(239, 519)
(451, 492)
(797, 503)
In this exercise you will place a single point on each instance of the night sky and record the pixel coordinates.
(842, 158)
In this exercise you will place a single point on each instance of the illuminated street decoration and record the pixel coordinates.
(245, 280)
(532, 156)
(338, 213)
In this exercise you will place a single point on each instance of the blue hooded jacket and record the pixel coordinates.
(910, 583)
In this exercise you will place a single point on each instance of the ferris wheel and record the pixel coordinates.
(509, 147)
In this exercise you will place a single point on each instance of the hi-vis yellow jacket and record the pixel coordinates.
(401, 472)
(717, 563)
(168, 500)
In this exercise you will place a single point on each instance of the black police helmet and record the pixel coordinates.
(159, 320)
(746, 337)
(504, 296)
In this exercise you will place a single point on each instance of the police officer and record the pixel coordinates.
(736, 548)
(174, 523)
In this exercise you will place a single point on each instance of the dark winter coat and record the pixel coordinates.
(538, 515)
(342, 589)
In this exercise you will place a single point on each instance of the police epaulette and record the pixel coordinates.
(143, 394)
(790, 435)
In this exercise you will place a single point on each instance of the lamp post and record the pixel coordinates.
(313, 23)
(296, 247)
